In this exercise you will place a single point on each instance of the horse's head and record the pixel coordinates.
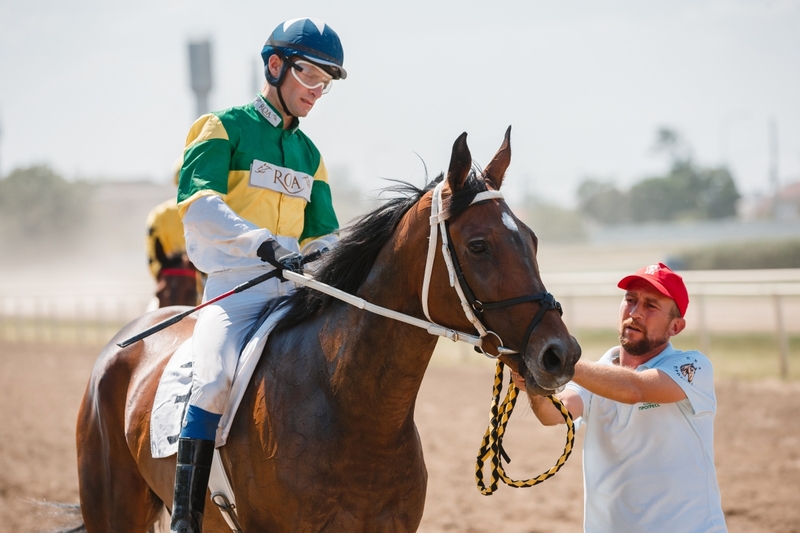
(177, 279)
(495, 269)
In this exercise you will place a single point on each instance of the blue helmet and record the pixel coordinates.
(310, 39)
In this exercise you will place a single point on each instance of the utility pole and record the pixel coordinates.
(773, 157)
(774, 182)
(200, 73)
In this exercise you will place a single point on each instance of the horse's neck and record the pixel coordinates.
(381, 367)
(384, 361)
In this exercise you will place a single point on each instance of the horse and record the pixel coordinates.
(177, 279)
(324, 439)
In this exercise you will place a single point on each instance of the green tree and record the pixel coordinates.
(720, 195)
(550, 222)
(670, 197)
(36, 203)
(687, 192)
(603, 202)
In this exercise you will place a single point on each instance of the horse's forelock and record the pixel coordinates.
(462, 199)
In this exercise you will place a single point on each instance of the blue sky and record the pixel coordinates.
(100, 88)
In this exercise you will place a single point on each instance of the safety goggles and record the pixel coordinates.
(310, 75)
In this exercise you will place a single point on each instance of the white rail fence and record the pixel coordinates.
(84, 313)
(724, 301)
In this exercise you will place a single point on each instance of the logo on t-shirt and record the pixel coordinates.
(280, 179)
(687, 370)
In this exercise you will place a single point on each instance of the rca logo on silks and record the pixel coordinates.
(280, 179)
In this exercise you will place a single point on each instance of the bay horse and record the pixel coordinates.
(324, 439)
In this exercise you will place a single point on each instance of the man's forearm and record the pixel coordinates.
(613, 382)
(545, 411)
(624, 385)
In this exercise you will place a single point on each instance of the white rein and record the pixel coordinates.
(437, 222)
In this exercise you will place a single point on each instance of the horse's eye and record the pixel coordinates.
(477, 247)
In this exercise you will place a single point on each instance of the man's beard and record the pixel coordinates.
(642, 346)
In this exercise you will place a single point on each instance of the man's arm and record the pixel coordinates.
(543, 408)
(624, 385)
(549, 415)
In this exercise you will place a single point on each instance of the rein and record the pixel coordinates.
(491, 449)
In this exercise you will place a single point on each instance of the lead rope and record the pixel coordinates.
(491, 449)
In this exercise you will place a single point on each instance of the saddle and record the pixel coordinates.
(175, 387)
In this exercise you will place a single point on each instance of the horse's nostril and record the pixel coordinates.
(551, 362)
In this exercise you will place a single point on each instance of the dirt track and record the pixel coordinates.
(757, 449)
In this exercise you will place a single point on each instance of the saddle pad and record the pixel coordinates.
(175, 387)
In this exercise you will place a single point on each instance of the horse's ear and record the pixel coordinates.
(496, 169)
(460, 163)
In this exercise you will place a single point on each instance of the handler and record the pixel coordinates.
(252, 188)
(648, 454)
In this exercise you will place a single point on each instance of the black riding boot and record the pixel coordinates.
(191, 484)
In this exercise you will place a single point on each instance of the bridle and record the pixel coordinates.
(472, 307)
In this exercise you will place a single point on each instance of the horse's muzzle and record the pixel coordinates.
(550, 366)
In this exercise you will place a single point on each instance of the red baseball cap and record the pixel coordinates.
(664, 280)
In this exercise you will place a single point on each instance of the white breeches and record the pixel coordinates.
(220, 331)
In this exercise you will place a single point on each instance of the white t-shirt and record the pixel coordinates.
(649, 467)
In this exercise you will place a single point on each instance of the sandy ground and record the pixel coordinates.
(757, 449)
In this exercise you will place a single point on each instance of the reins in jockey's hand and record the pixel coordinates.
(491, 449)
(270, 251)
(313, 256)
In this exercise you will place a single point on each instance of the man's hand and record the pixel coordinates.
(282, 259)
(519, 381)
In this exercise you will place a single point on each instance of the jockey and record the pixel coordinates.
(253, 189)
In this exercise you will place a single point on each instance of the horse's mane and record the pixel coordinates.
(347, 265)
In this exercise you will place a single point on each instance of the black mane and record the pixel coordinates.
(348, 264)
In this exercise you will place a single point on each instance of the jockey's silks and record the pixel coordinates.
(271, 177)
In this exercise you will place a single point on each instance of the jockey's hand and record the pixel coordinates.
(281, 258)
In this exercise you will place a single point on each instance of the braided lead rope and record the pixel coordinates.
(491, 449)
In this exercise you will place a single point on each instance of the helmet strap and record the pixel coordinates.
(283, 104)
(277, 81)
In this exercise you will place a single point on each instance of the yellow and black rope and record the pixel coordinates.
(491, 449)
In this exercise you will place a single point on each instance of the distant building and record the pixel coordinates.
(783, 206)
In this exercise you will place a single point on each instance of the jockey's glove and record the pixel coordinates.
(281, 258)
